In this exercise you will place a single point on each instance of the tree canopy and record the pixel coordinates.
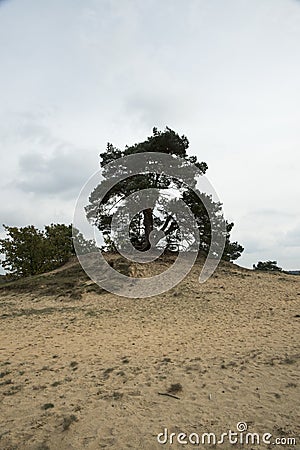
(269, 266)
(143, 223)
(30, 251)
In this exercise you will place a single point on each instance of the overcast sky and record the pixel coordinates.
(78, 73)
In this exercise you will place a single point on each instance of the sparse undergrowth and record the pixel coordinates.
(69, 284)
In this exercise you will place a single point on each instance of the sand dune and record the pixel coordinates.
(84, 369)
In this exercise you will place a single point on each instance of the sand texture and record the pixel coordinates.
(84, 369)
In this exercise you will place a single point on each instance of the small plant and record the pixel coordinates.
(13, 390)
(68, 420)
(175, 388)
(125, 360)
(5, 382)
(74, 365)
(3, 374)
(291, 385)
(91, 313)
(107, 372)
(288, 360)
(117, 395)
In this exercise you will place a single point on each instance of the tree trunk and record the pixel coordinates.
(148, 225)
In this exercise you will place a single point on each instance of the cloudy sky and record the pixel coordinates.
(78, 73)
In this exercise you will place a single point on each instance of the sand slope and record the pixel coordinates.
(88, 373)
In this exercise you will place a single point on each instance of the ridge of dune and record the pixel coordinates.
(84, 369)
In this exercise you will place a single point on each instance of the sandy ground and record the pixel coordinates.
(90, 373)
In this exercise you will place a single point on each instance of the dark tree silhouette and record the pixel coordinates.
(141, 226)
(270, 266)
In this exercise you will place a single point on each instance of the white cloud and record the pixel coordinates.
(79, 73)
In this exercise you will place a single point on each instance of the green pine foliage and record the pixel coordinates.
(170, 142)
(29, 251)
